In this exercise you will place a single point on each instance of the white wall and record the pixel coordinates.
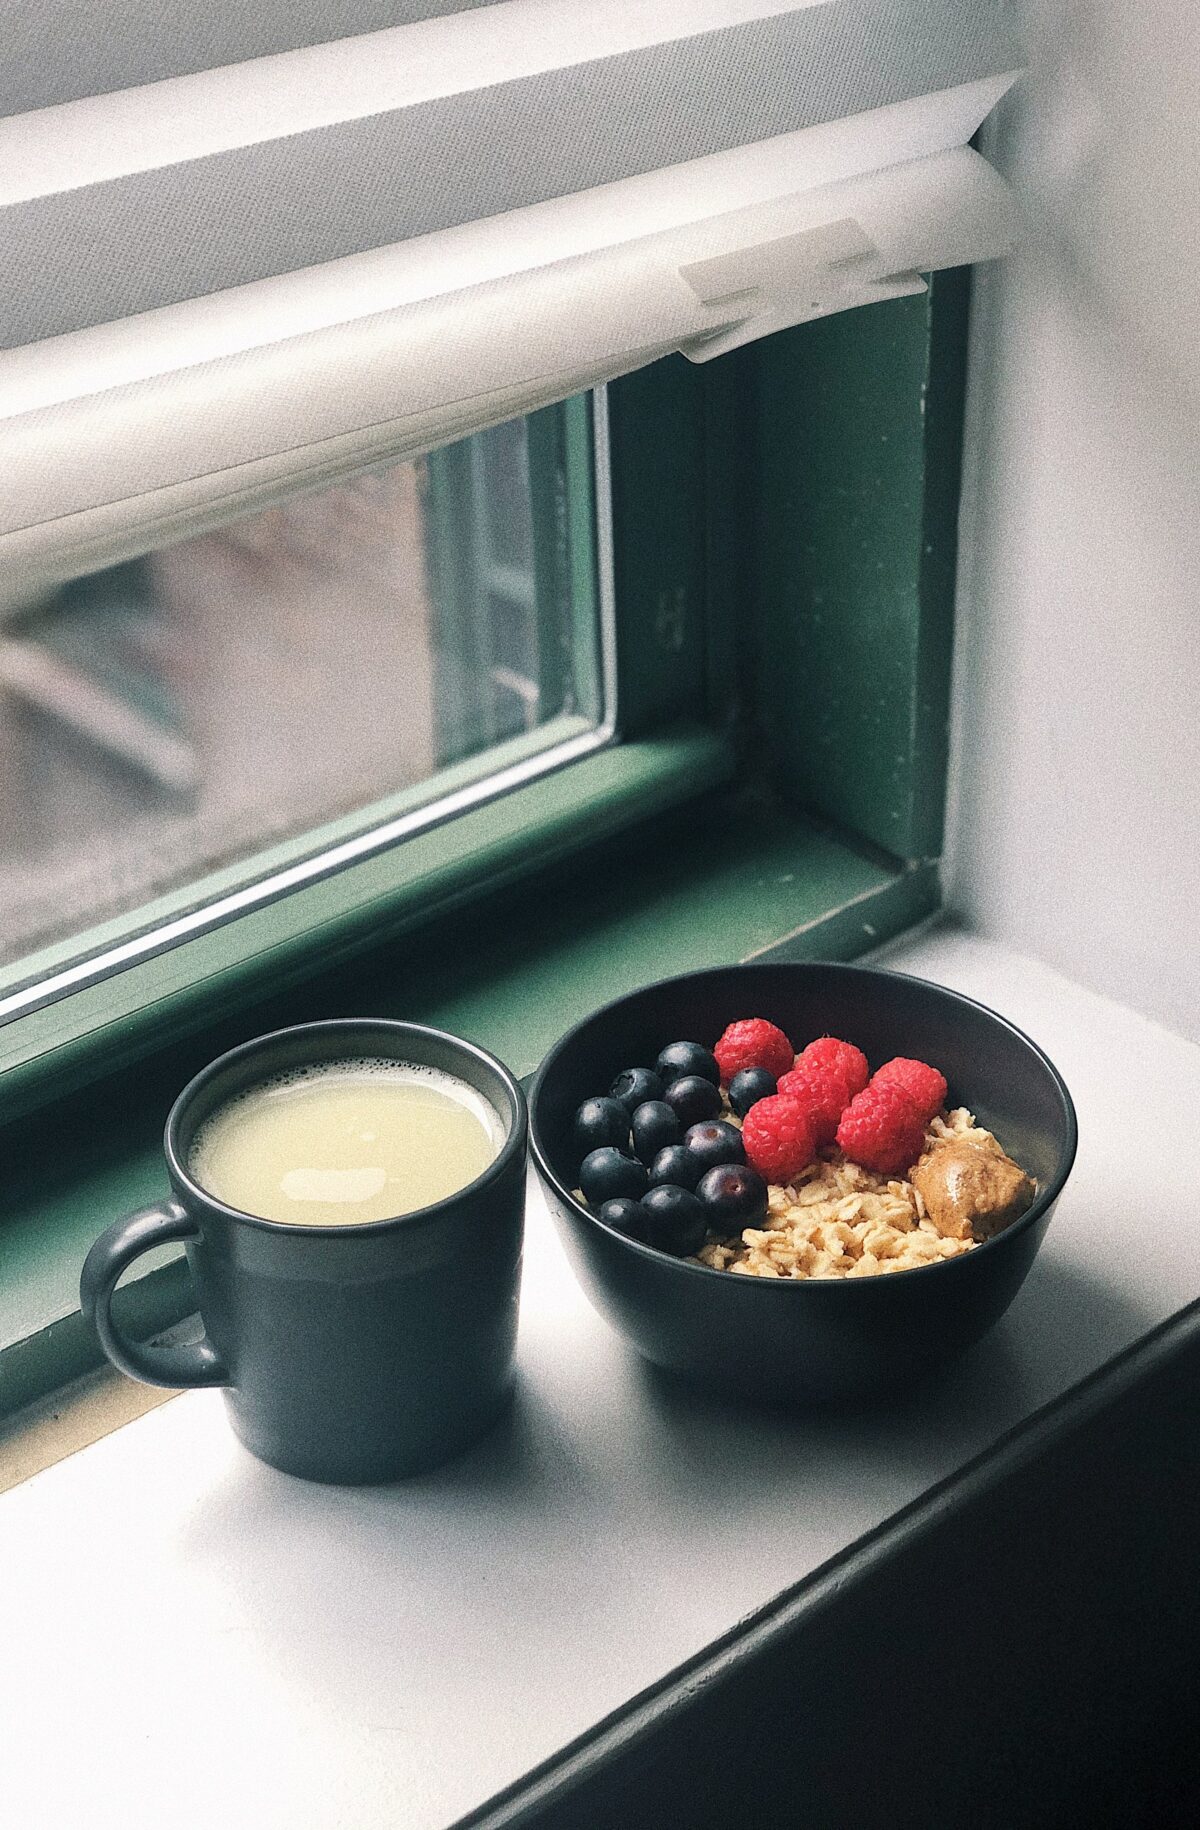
(1075, 790)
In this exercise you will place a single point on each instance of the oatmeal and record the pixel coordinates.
(837, 1219)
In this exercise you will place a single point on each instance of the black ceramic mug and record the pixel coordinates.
(353, 1353)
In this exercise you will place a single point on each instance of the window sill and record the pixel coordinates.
(608, 1534)
(717, 881)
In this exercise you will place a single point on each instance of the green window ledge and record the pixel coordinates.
(719, 879)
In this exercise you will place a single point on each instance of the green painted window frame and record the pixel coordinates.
(783, 554)
(62, 1037)
(654, 491)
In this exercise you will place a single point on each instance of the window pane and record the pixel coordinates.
(208, 706)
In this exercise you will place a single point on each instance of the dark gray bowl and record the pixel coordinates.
(783, 1339)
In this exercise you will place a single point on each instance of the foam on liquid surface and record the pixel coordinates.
(343, 1143)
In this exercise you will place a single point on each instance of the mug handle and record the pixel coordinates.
(195, 1364)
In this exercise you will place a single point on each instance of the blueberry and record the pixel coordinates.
(748, 1087)
(634, 1087)
(677, 1167)
(715, 1141)
(676, 1221)
(682, 1058)
(734, 1196)
(606, 1174)
(626, 1216)
(599, 1122)
(692, 1099)
(654, 1127)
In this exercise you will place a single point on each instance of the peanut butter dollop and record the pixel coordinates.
(971, 1190)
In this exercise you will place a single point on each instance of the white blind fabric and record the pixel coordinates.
(60, 50)
(231, 282)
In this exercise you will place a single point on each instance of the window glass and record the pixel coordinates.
(202, 707)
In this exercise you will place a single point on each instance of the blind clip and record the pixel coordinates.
(790, 280)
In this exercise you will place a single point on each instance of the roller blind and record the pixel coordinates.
(242, 255)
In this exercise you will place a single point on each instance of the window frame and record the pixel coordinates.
(180, 958)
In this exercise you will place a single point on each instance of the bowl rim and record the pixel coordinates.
(1044, 1199)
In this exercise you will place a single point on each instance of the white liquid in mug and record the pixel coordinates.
(343, 1143)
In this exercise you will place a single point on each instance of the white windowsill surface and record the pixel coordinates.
(190, 1637)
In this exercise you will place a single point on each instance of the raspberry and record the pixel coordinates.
(822, 1091)
(778, 1138)
(753, 1043)
(923, 1084)
(850, 1062)
(882, 1129)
